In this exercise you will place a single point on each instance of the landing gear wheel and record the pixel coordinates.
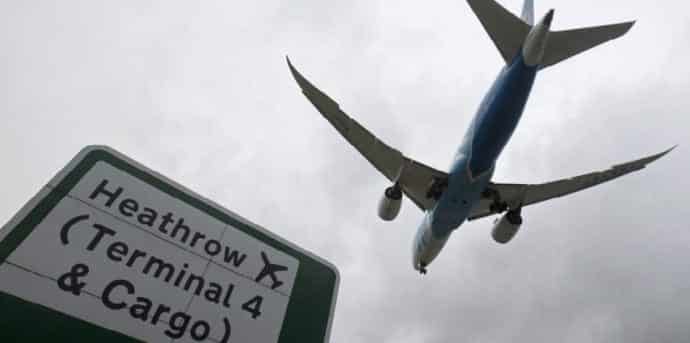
(437, 188)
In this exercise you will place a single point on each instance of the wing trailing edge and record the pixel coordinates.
(502, 196)
(415, 178)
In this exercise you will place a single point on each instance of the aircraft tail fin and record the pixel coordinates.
(562, 45)
(506, 30)
(511, 34)
(528, 12)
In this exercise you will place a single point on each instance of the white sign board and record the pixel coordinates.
(112, 244)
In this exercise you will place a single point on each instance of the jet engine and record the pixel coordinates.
(390, 203)
(507, 226)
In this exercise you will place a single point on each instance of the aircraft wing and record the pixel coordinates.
(415, 178)
(520, 195)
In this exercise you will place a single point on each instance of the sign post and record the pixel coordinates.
(111, 251)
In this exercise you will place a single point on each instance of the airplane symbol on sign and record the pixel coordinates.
(269, 270)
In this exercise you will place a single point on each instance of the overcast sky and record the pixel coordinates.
(199, 91)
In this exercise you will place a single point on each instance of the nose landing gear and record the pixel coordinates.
(422, 268)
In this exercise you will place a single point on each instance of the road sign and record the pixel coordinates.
(111, 251)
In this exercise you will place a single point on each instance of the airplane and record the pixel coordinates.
(269, 270)
(466, 192)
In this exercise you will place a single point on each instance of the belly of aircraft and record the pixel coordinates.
(457, 202)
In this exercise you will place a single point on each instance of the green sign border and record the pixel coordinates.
(307, 318)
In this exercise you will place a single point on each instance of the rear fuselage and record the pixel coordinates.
(474, 162)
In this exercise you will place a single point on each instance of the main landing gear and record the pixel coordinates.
(438, 186)
(497, 206)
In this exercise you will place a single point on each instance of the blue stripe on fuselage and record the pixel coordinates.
(489, 132)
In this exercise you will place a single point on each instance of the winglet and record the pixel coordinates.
(528, 12)
(307, 88)
(661, 154)
(292, 68)
(301, 81)
(643, 162)
(320, 100)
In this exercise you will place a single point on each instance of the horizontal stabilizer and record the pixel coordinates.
(562, 45)
(506, 30)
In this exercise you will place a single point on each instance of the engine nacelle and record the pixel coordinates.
(390, 203)
(506, 227)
